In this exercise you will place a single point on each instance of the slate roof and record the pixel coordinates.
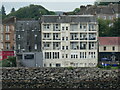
(109, 40)
(9, 20)
(67, 18)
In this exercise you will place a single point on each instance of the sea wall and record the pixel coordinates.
(60, 78)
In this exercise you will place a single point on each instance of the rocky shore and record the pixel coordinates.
(60, 78)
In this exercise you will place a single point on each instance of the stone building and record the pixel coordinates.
(109, 48)
(106, 12)
(69, 40)
(28, 36)
(28, 43)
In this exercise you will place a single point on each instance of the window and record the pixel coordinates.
(113, 48)
(58, 65)
(46, 55)
(66, 47)
(35, 46)
(35, 35)
(7, 37)
(18, 36)
(62, 55)
(50, 65)
(62, 38)
(76, 56)
(62, 47)
(46, 45)
(55, 36)
(82, 55)
(56, 26)
(7, 46)
(46, 35)
(55, 55)
(66, 38)
(29, 56)
(62, 28)
(84, 27)
(92, 55)
(7, 28)
(80, 26)
(18, 46)
(66, 28)
(104, 48)
(19, 57)
(66, 55)
(46, 26)
(72, 56)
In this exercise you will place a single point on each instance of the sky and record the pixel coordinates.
(52, 5)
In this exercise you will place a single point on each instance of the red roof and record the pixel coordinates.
(109, 40)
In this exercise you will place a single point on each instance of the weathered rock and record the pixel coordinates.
(60, 78)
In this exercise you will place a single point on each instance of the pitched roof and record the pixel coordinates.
(91, 10)
(67, 18)
(109, 40)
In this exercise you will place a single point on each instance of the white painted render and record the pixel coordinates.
(76, 57)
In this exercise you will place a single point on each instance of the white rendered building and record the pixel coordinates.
(69, 40)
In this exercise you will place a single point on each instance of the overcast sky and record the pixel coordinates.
(52, 5)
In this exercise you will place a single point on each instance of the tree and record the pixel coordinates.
(31, 11)
(3, 10)
(12, 10)
(115, 29)
(104, 28)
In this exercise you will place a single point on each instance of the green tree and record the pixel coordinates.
(76, 10)
(12, 10)
(3, 14)
(104, 27)
(31, 11)
(115, 29)
(3, 10)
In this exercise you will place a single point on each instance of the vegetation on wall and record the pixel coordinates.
(10, 62)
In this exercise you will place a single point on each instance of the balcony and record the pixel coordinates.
(74, 39)
(47, 39)
(56, 29)
(56, 48)
(56, 39)
(47, 48)
(83, 38)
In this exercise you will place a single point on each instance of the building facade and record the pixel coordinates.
(106, 12)
(69, 40)
(28, 38)
(109, 49)
(8, 34)
(30, 59)
(28, 43)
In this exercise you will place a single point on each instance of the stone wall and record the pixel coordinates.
(60, 78)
